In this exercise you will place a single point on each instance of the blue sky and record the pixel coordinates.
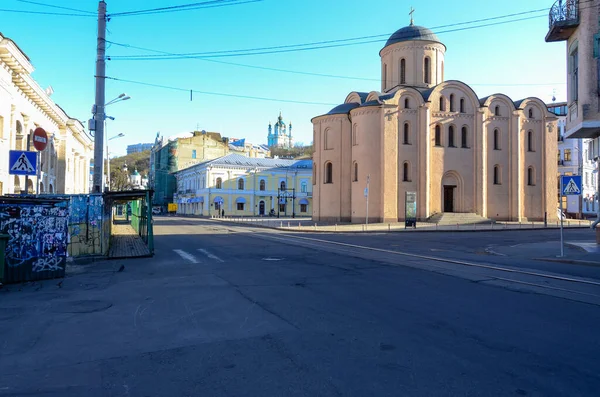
(511, 58)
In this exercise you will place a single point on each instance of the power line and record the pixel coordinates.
(53, 6)
(315, 74)
(184, 7)
(46, 13)
(220, 93)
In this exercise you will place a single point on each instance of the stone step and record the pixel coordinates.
(453, 218)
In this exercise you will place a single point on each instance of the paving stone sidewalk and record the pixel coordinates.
(126, 243)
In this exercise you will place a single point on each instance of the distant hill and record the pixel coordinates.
(297, 152)
(139, 161)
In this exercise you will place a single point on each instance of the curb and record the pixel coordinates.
(569, 261)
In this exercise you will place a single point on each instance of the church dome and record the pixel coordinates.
(412, 32)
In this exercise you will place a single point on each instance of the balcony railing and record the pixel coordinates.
(563, 19)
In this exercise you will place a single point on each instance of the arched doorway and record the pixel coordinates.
(30, 187)
(17, 183)
(261, 208)
(42, 187)
(451, 192)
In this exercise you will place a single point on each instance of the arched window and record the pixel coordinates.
(328, 172)
(427, 71)
(406, 103)
(240, 184)
(462, 105)
(530, 176)
(354, 135)
(406, 134)
(219, 183)
(464, 138)
(497, 175)
(438, 136)
(262, 185)
(452, 102)
(314, 178)
(355, 175)
(282, 185)
(442, 104)
(497, 111)
(530, 147)
(303, 187)
(530, 113)
(328, 139)
(402, 71)
(451, 136)
(384, 76)
(496, 139)
(406, 172)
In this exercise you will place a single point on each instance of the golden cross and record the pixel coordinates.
(412, 10)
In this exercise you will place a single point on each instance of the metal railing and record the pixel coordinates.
(564, 11)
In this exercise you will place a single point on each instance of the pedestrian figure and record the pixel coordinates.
(222, 213)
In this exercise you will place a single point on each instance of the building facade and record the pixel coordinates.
(24, 106)
(280, 134)
(574, 159)
(235, 185)
(577, 23)
(491, 156)
(140, 147)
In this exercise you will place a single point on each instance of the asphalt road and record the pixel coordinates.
(229, 311)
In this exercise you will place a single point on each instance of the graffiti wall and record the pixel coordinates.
(38, 231)
(86, 226)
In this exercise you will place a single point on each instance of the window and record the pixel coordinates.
(497, 175)
(194, 154)
(587, 181)
(282, 208)
(558, 156)
(530, 176)
(355, 174)
(462, 105)
(405, 135)
(303, 187)
(262, 185)
(240, 184)
(240, 206)
(402, 71)
(354, 135)
(530, 147)
(427, 71)
(452, 102)
(384, 76)
(464, 137)
(574, 75)
(328, 139)
(438, 136)
(530, 113)
(406, 172)
(406, 103)
(451, 136)
(567, 154)
(497, 111)
(442, 104)
(328, 173)
(303, 207)
(282, 185)
(496, 139)
(314, 178)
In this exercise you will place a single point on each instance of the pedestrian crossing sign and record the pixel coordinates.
(571, 185)
(21, 162)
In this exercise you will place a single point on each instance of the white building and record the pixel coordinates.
(235, 185)
(573, 159)
(25, 106)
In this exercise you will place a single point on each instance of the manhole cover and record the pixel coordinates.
(84, 306)
(272, 259)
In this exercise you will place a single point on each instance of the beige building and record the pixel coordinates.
(491, 156)
(24, 106)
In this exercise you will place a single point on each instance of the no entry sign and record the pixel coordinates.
(40, 139)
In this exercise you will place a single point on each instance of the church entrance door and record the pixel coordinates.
(261, 208)
(449, 198)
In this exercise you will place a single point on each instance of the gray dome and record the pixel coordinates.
(412, 32)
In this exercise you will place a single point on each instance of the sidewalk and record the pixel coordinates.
(307, 225)
(126, 243)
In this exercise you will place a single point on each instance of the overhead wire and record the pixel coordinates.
(55, 6)
(184, 7)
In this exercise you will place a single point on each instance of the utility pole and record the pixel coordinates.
(367, 197)
(98, 110)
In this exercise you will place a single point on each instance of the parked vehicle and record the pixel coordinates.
(156, 210)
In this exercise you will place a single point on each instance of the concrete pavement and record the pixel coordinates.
(229, 311)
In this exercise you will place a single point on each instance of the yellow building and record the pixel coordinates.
(235, 185)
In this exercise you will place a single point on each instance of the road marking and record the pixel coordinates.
(211, 256)
(187, 256)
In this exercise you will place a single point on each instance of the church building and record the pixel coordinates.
(280, 135)
(435, 138)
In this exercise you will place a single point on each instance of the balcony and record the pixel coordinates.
(564, 19)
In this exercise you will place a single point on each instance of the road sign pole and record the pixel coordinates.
(367, 196)
(562, 242)
(27, 176)
(38, 159)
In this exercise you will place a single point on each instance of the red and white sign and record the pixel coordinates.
(40, 139)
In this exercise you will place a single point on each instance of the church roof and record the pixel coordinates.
(412, 32)
(343, 108)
